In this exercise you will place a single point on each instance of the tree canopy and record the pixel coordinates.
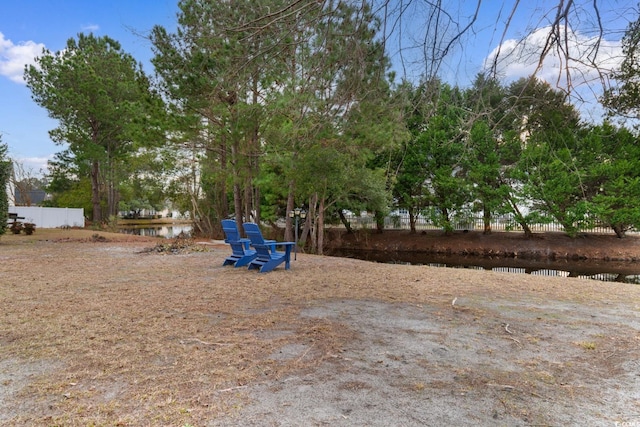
(302, 89)
(262, 106)
(624, 98)
(105, 110)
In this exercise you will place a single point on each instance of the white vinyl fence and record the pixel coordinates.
(503, 223)
(50, 217)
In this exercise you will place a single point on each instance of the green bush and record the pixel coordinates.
(5, 171)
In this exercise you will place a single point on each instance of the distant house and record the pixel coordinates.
(33, 197)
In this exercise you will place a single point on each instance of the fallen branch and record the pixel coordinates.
(506, 328)
(513, 339)
(454, 301)
(224, 390)
(304, 354)
(503, 386)
(199, 341)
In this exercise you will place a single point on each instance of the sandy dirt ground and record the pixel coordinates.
(114, 330)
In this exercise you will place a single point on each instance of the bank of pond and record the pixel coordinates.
(609, 271)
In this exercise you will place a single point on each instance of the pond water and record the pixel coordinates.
(608, 271)
(167, 231)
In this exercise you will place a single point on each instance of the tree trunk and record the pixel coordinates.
(222, 199)
(344, 221)
(238, 194)
(237, 201)
(379, 222)
(620, 233)
(520, 218)
(256, 203)
(306, 231)
(247, 200)
(527, 231)
(95, 192)
(525, 227)
(313, 202)
(448, 228)
(320, 227)
(412, 221)
(486, 217)
(112, 191)
(254, 151)
(112, 195)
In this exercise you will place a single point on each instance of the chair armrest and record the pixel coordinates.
(245, 242)
(273, 244)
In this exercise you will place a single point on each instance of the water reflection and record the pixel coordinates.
(608, 271)
(165, 231)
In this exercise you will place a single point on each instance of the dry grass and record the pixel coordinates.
(162, 338)
(128, 336)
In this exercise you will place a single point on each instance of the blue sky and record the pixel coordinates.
(28, 26)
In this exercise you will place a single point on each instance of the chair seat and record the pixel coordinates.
(267, 257)
(241, 254)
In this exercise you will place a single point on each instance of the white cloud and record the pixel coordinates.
(587, 68)
(520, 58)
(33, 166)
(14, 57)
(92, 28)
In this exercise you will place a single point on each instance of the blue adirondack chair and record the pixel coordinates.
(267, 257)
(241, 253)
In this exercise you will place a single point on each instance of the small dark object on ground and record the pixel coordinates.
(16, 227)
(29, 228)
(98, 238)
